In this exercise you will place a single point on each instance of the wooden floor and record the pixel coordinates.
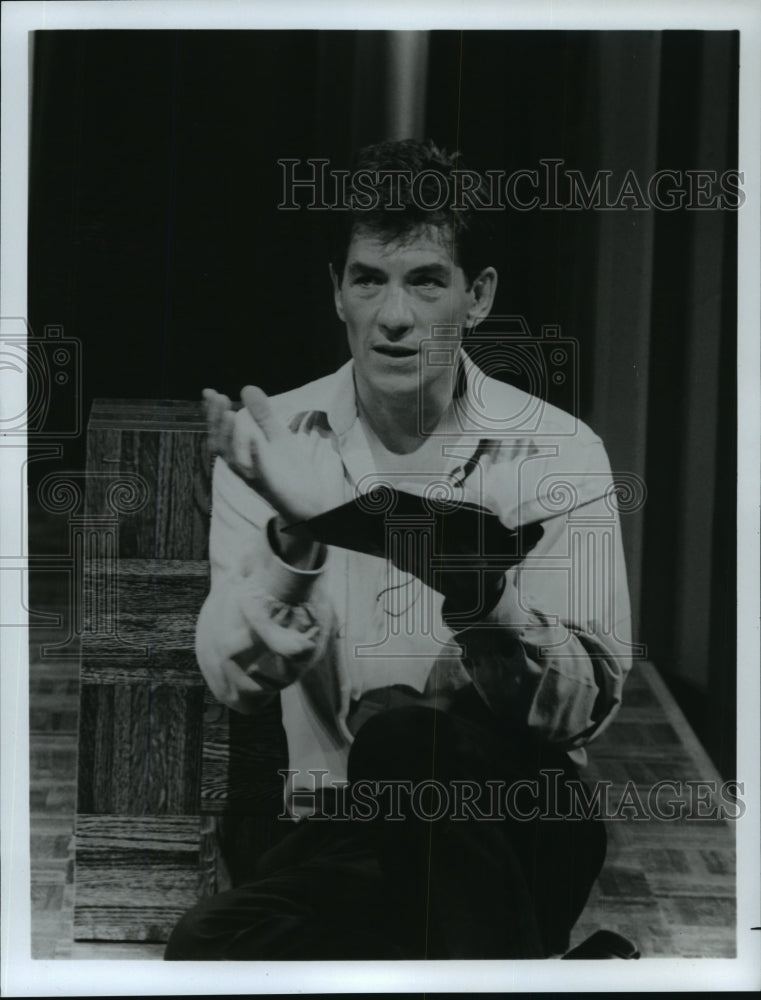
(669, 886)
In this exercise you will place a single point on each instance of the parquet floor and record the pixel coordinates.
(670, 886)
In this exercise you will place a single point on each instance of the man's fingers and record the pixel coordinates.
(258, 405)
(284, 641)
(215, 403)
(219, 417)
(245, 441)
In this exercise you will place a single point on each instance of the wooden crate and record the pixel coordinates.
(176, 796)
(164, 442)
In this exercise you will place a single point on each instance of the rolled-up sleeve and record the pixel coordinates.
(555, 652)
(264, 622)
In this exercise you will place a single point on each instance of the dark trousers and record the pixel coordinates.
(428, 883)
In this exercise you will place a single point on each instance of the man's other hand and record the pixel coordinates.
(258, 447)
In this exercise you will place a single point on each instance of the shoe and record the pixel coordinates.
(604, 944)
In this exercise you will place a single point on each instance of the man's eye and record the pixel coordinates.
(366, 280)
(429, 283)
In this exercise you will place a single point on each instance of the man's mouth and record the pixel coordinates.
(395, 350)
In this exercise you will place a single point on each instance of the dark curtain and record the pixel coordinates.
(650, 297)
(155, 239)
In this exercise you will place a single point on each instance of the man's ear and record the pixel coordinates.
(337, 295)
(483, 290)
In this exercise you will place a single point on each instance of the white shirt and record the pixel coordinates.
(382, 627)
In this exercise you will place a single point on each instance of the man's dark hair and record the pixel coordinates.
(397, 187)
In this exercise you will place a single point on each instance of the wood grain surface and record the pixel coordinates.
(136, 877)
(140, 749)
(152, 628)
(164, 442)
(155, 749)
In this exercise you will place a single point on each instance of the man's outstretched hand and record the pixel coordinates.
(258, 447)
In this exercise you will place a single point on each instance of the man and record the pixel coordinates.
(383, 678)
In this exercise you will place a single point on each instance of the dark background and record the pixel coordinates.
(155, 239)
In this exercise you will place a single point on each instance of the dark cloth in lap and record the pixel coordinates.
(472, 888)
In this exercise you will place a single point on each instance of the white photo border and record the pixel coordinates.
(22, 976)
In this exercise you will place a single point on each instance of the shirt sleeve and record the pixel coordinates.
(556, 650)
(264, 622)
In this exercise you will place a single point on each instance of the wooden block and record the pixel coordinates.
(140, 749)
(141, 699)
(144, 855)
(164, 442)
(136, 877)
(147, 414)
(149, 630)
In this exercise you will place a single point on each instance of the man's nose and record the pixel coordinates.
(395, 314)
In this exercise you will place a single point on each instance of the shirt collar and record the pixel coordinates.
(342, 407)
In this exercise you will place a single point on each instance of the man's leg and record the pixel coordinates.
(458, 886)
(319, 899)
(561, 852)
(483, 888)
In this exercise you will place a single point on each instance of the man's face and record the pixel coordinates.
(391, 296)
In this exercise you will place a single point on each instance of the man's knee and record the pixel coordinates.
(404, 744)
